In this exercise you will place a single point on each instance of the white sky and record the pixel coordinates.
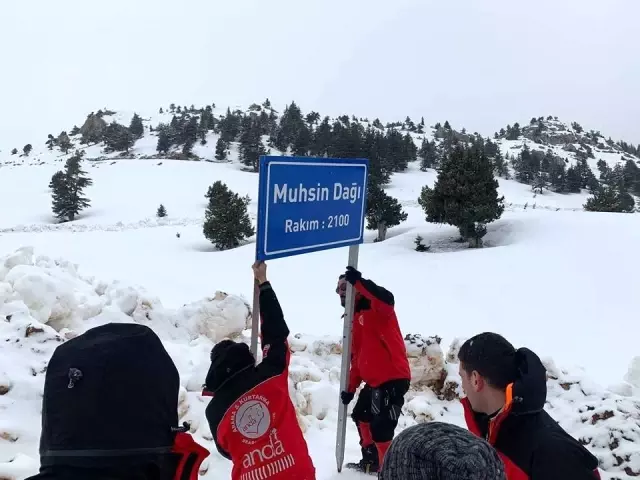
(478, 63)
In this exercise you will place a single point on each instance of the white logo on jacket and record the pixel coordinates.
(252, 419)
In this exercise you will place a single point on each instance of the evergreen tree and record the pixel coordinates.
(631, 177)
(609, 198)
(500, 166)
(117, 138)
(447, 126)
(164, 139)
(605, 171)
(558, 175)
(526, 166)
(290, 125)
(383, 211)
(68, 188)
(14, 151)
(51, 142)
(75, 130)
(172, 107)
(312, 118)
(161, 111)
(221, 149)
(226, 222)
(574, 180)
(27, 149)
(189, 135)
(64, 142)
(465, 194)
(162, 212)
(230, 126)
(302, 142)
(136, 127)
(428, 155)
(251, 146)
(420, 247)
(322, 138)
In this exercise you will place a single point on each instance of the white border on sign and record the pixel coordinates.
(312, 164)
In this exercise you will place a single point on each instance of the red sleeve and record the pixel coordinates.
(381, 299)
(354, 374)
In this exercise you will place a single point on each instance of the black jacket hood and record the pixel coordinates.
(529, 390)
(228, 358)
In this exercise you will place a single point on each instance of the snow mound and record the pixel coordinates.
(44, 302)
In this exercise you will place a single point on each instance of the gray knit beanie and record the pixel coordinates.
(440, 451)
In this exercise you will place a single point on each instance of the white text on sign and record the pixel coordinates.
(300, 194)
(301, 225)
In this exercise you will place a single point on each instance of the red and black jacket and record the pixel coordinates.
(251, 416)
(378, 352)
(530, 442)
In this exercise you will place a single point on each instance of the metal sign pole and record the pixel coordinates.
(346, 360)
(255, 320)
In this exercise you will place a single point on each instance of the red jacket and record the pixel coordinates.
(378, 352)
(530, 443)
(251, 415)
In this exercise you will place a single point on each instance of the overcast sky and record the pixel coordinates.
(478, 63)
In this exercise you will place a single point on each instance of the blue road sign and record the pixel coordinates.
(310, 204)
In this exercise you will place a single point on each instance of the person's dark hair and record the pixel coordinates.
(492, 356)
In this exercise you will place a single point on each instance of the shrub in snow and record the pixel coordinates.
(161, 212)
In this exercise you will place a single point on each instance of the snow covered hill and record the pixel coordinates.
(554, 278)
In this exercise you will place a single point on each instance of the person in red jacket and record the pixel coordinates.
(506, 390)
(379, 358)
(251, 416)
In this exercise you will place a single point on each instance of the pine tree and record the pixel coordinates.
(161, 111)
(574, 180)
(14, 151)
(383, 211)
(221, 149)
(465, 194)
(302, 142)
(172, 107)
(428, 155)
(27, 149)
(136, 127)
(322, 138)
(420, 247)
(161, 212)
(118, 138)
(64, 142)
(609, 198)
(51, 142)
(500, 166)
(68, 187)
(227, 222)
(164, 139)
(75, 130)
(251, 147)
(290, 125)
(189, 136)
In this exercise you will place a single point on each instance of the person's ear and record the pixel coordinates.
(476, 381)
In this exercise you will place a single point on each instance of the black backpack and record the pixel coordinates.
(111, 402)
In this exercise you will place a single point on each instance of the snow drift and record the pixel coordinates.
(45, 301)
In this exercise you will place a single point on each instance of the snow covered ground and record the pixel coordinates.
(554, 278)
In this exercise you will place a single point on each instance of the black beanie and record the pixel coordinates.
(440, 451)
(227, 358)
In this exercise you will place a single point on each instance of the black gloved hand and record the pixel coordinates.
(346, 397)
(352, 275)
